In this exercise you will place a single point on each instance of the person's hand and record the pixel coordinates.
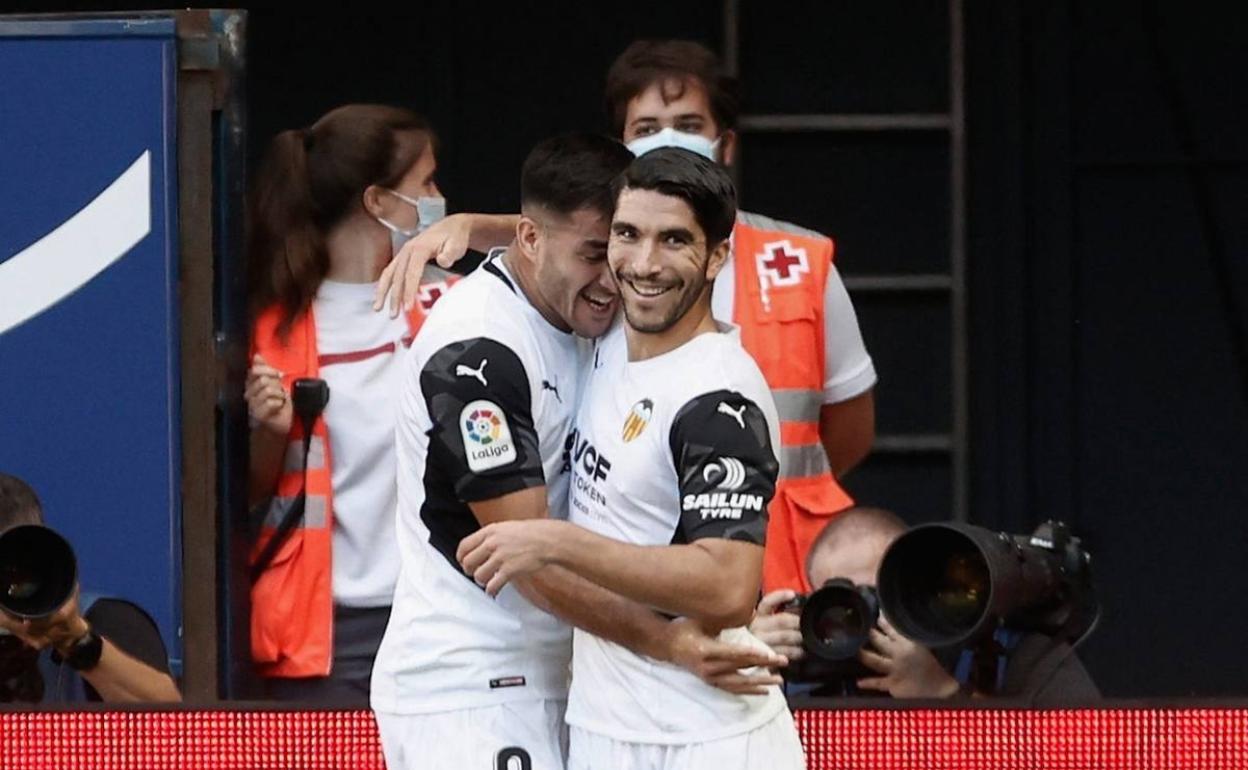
(268, 403)
(58, 631)
(500, 552)
(445, 242)
(721, 664)
(778, 629)
(909, 670)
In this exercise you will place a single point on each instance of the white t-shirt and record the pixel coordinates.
(848, 370)
(668, 450)
(360, 354)
(486, 402)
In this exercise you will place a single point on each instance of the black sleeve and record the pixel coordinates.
(727, 470)
(483, 435)
(131, 630)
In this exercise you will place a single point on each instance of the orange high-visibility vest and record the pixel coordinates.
(292, 603)
(781, 273)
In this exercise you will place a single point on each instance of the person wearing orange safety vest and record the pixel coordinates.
(329, 207)
(779, 287)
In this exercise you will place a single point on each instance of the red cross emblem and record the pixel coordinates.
(781, 264)
(430, 292)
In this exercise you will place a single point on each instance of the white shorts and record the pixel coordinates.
(773, 746)
(489, 738)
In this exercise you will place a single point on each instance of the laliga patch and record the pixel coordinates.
(487, 437)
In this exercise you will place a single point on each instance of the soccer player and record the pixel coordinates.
(469, 680)
(673, 463)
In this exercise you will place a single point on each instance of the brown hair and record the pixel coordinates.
(18, 503)
(309, 181)
(671, 63)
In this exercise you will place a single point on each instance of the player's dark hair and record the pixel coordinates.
(672, 64)
(699, 181)
(573, 171)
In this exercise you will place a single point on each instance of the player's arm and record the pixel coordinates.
(727, 472)
(502, 480)
(445, 242)
(610, 616)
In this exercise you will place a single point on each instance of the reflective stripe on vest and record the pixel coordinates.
(314, 510)
(293, 462)
(800, 462)
(797, 404)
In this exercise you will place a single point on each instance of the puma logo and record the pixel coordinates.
(736, 414)
(555, 388)
(465, 371)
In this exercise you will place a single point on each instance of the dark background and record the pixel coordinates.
(1107, 254)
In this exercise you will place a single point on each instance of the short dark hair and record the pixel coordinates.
(18, 503)
(647, 62)
(854, 523)
(699, 181)
(573, 171)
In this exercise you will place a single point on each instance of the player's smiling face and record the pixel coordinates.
(659, 258)
(572, 270)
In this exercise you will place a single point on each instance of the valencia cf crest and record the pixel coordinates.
(637, 420)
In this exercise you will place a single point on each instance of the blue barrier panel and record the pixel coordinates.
(89, 361)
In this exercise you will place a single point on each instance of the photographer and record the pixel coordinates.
(103, 650)
(1026, 665)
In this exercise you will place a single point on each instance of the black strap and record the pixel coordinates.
(292, 518)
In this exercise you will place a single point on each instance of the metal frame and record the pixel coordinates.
(957, 262)
(209, 125)
(956, 443)
(199, 381)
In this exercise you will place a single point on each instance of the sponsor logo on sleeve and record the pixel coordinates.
(487, 437)
(737, 414)
(477, 374)
(723, 505)
(726, 473)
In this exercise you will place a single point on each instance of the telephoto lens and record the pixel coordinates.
(38, 571)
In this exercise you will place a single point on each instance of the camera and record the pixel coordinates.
(836, 621)
(946, 585)
(38, 571)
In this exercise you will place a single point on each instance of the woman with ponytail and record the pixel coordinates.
(330, 206)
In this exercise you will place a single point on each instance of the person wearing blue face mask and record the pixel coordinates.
(329, 208)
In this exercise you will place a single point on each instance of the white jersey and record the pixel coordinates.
(487, 399)
(669, 450)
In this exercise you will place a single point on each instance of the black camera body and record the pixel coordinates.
(836, 621)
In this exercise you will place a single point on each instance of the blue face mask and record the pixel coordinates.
(429, 209)
(670, 137)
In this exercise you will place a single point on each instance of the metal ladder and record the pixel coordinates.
(952, 284)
